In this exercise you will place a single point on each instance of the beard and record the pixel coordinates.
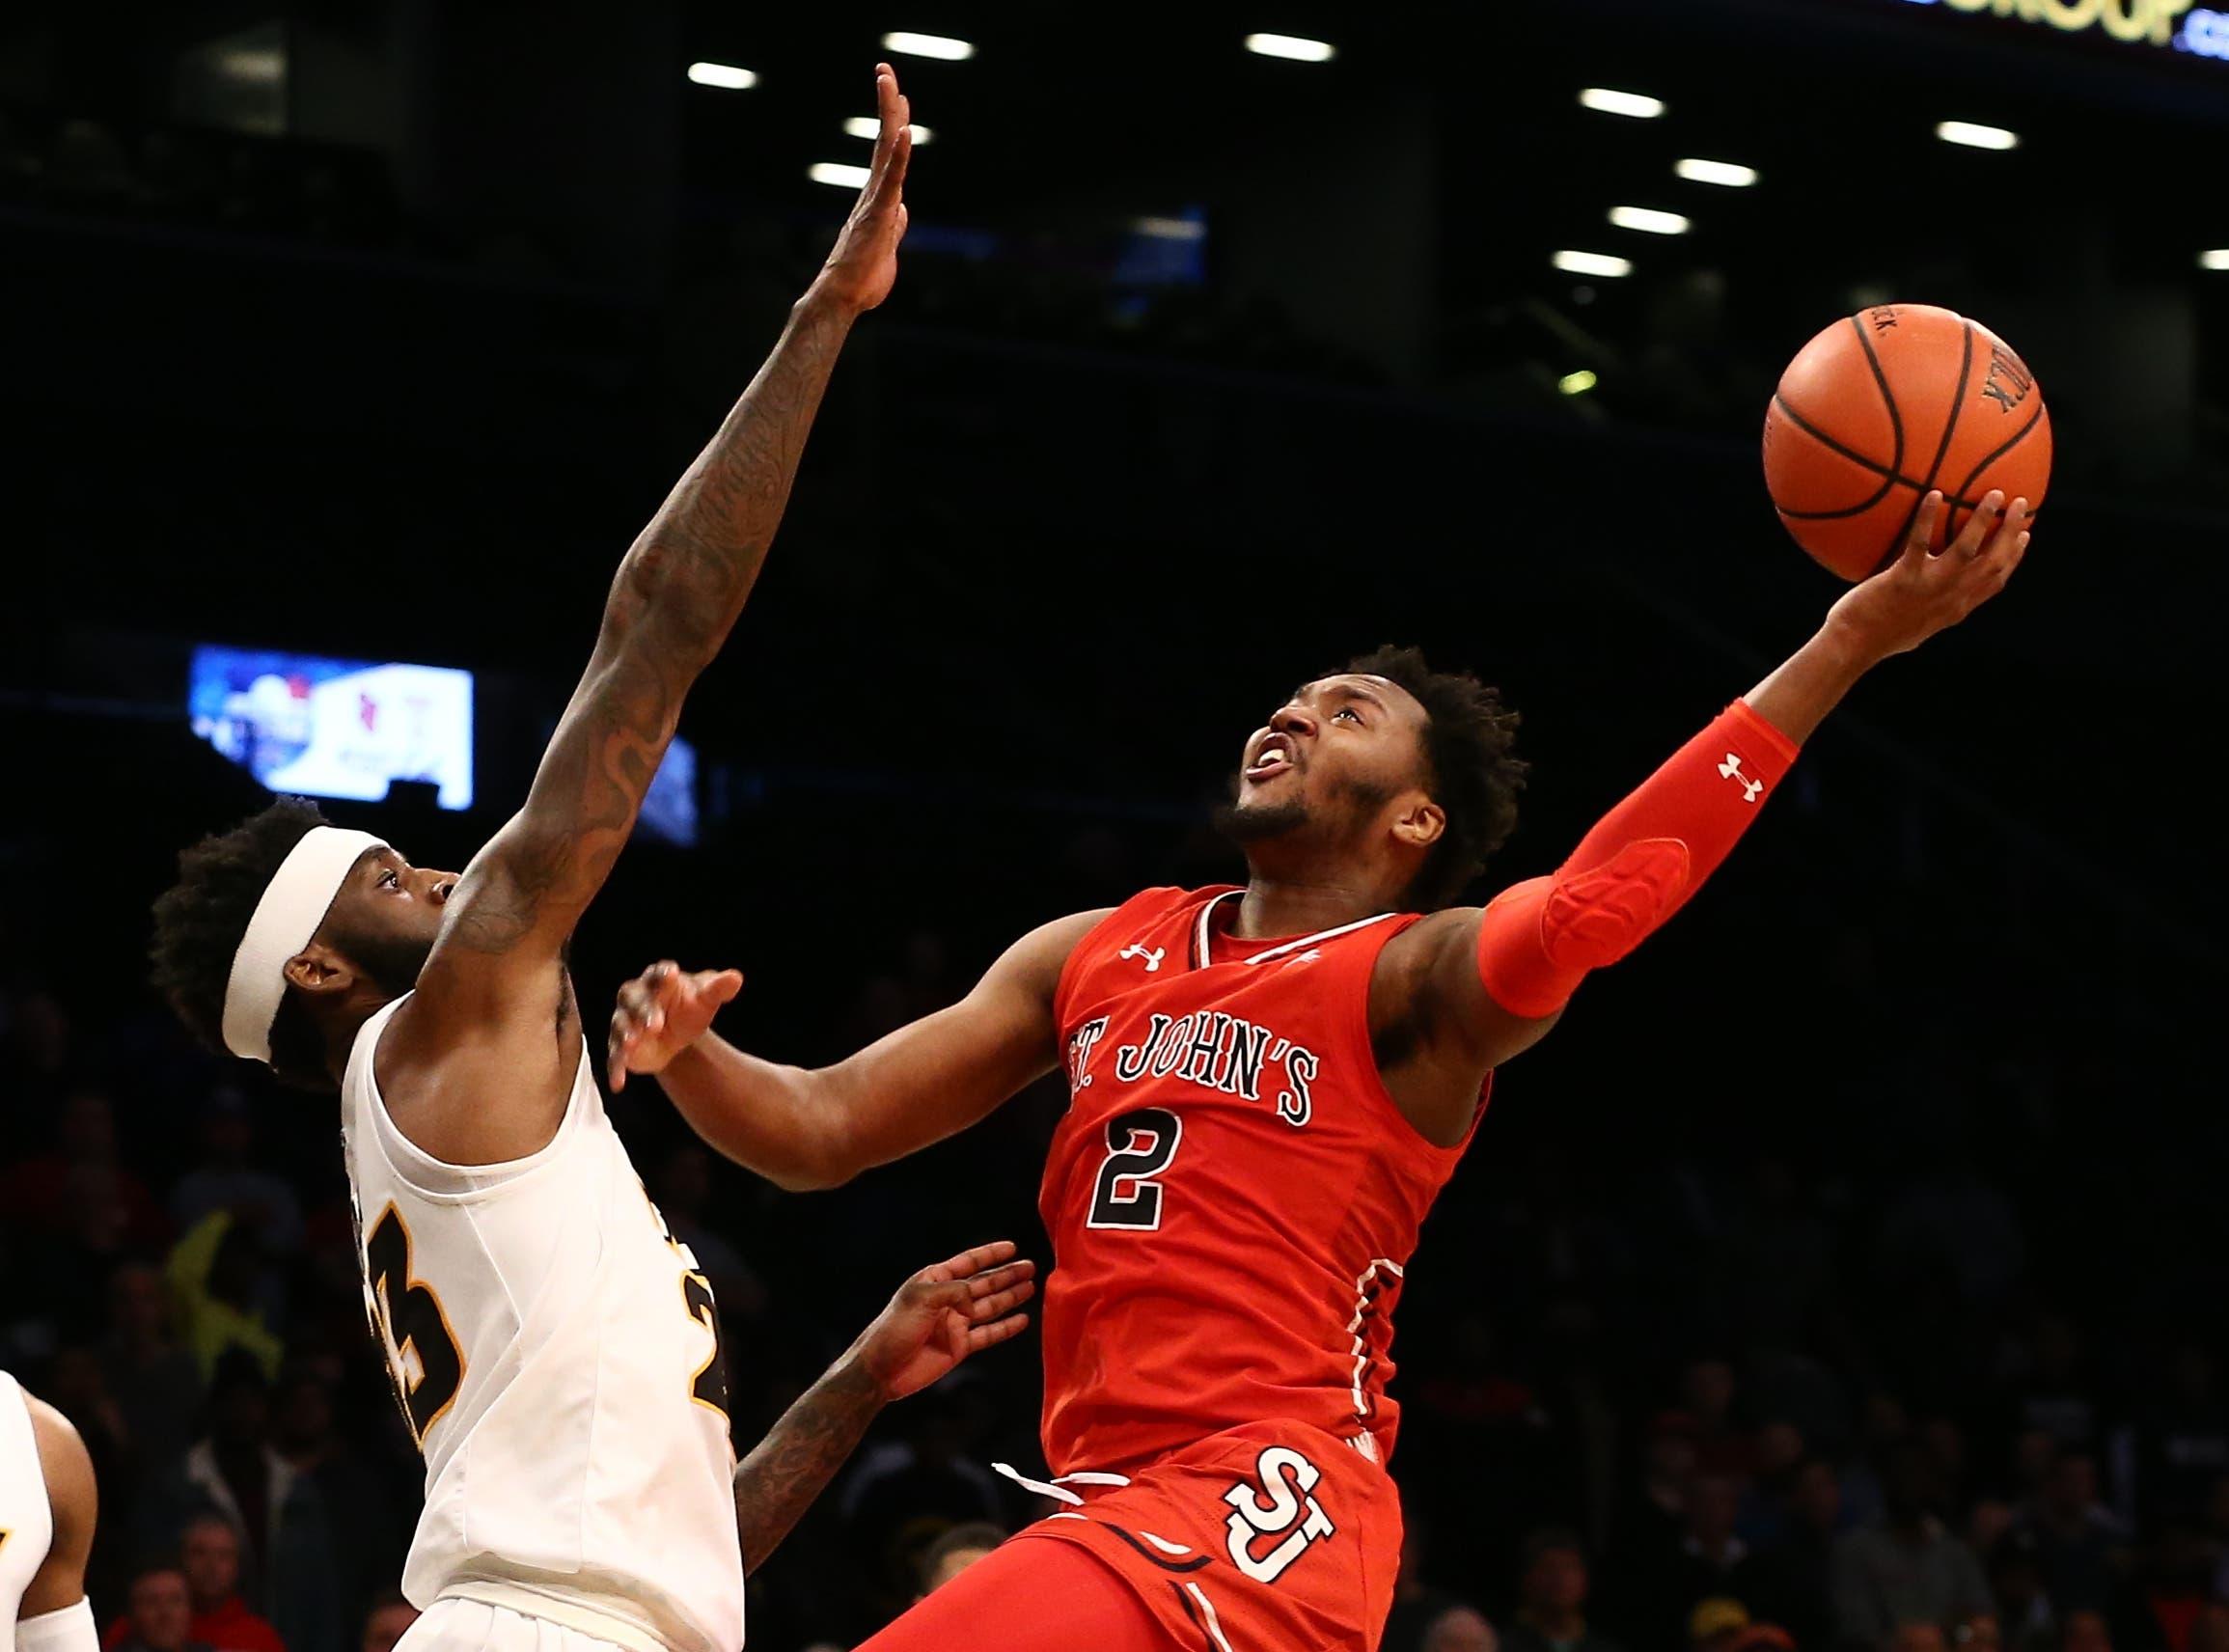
(1350, 802)
(1257, 823)
(392, 963)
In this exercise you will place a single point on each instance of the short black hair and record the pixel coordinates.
(1472, 768)
(199, 922)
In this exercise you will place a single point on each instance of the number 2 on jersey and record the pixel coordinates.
(422, 1360)
(1140, 1144)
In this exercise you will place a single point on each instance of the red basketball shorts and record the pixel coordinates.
(1269, 1537)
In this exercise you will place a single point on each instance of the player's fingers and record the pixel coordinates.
(2003, 545)
(637, 995)
(968, 1263)
(983, 1337)
(717, 986)
(1979, 526)
(1004, 1303)
(999, 1278)
(1919, 543)
(892, 184)
(625, 1034)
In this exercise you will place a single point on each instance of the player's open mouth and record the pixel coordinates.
(1273, 760)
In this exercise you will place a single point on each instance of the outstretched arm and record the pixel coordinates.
(815, 1127)
(1466, 989)
(676, 595)
(937, 1319)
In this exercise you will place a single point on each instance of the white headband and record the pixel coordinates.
(288, 916)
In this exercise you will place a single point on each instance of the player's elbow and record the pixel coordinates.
(821, 1151)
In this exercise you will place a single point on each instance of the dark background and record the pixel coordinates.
(377, 330)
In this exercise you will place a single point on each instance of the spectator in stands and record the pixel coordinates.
(286, 1558)
(2182, 1445)
(1906, 1569)
(364, 1530)
(2210, 1629)
(2054, 1396)
(1459, 1629)
(213, 1274)
(34, 1193)
(1655, 1520)
(2086, 1631)
(1792, 1580)
(1916, 1638)
(1980, 1632)
(1553, 1589)
(384, 1624)
(210, 1555)
(262, 1204)
(2024, 1608)
(2080, 1549)
(956, 1551)
(155, 1384)
(162, 1616)
(1716, 1623)
(1416, 1604)
(63, 1275)
(1723, 1448)
(1710, 1561)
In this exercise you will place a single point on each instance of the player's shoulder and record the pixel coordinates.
(62, 1454)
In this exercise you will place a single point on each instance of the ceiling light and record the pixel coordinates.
(927, 45)
(1577, 383)
(724, 75)
(841, 174)
(1592, 264)
(2216, 259)
(1977, 137)
(869, 128)
(1639, 105)
(1171, 229)
(1648, 220)
(1731, 173)
(1294, 46)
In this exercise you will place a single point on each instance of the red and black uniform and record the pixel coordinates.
(1233, 1197)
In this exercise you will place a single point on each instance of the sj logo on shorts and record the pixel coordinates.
(1288, 1513)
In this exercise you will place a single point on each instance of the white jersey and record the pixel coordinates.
(26, 1517)
(555, 1355)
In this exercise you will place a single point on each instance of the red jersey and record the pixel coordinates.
(1232, 1196)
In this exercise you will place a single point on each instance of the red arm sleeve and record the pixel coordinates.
(1634, 869)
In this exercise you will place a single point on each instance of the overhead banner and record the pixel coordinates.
(2171, 25)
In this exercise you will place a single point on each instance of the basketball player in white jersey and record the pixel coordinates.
(554, 1350)
(46, 1508)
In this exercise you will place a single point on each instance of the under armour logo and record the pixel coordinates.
(1731, 769)
(1152, 954)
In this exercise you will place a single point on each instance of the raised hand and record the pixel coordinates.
(661, 1013)
(859, 271)
(1922, 593)
(945, 1313)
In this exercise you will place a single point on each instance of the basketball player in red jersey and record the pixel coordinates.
(1270, 1086)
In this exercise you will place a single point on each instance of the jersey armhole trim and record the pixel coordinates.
(436, 1180)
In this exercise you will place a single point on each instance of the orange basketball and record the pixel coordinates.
(1881, 407)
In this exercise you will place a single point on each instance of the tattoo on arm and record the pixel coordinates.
(785, 1472)
(675, 600)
